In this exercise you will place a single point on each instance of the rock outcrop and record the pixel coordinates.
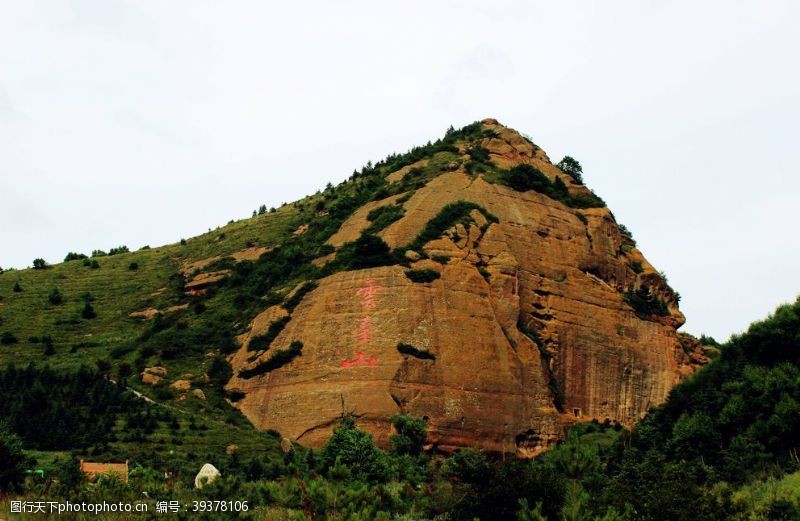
(525, 331)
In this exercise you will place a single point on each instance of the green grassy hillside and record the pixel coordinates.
(76, 315)
(724, 445)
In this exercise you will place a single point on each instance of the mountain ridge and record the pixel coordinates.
(193, 306)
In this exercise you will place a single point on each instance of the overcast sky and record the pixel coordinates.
(142, 122)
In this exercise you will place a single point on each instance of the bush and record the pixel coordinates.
(325, 249)
(8, 338)
(367, 251)
(55, 297)
(88, 311)
(278, 359)
(71, 256)
(637, 267)
(424, 275)
(448, 216)
(133, 266)
(219, 371)
(383, 216)
(12, 461)
(408, 349)
(627, 236)
(98, 253)
(646, 304)
(298, 295)
(257, 343)
(526, 177)
(17, 288)
(124, 370)
(39, 264)
(478, 154)
(410, 436)
(118, 250)
(354, 448)
(572, 168)
(468, 465)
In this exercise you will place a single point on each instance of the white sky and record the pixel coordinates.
(142, 122)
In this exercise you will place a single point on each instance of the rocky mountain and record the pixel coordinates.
(512, 306)
(469, 281)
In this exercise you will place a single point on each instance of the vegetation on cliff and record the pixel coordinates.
(724, 446)
(106, 325)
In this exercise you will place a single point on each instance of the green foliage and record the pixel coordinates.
(572, 168)
(55, 297)
(422, 275)
(735, 421)
(278, 359)
(383, 216)
(525, 177)
(261, 342)
(738, 420)
(645, 303)
(78, 409)
(17, 288)
(468, 466)
(478, 154)
(526, 513)
(636, 266)
(8, 338)
(219, 371)
(12, 460)
(49, 347)
(93, 264)
(133, 266)
(71, 256)
(88, 311)
(118, 250)
(408, 349)
(355, 449)
(410, 435)
(448, 216)
(368, 251)
(291, 302)
(395, 162)
(626, 235)
(39, 264)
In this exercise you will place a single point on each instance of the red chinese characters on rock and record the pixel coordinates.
(363, 332)
(360, 359)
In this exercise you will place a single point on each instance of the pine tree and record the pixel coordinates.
(88, 311)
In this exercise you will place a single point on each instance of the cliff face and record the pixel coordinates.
(528, 327)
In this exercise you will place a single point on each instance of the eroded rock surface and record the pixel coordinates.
(527, 323)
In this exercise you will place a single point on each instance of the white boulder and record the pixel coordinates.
(206, 475)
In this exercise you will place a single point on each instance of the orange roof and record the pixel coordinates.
(92, 470)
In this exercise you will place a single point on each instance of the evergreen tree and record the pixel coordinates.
(12, 460)
(571, 167)
(55, 297)
(88, 311)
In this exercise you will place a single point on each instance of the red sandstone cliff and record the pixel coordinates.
(527, 323)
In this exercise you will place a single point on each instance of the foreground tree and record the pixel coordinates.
(12, 460)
